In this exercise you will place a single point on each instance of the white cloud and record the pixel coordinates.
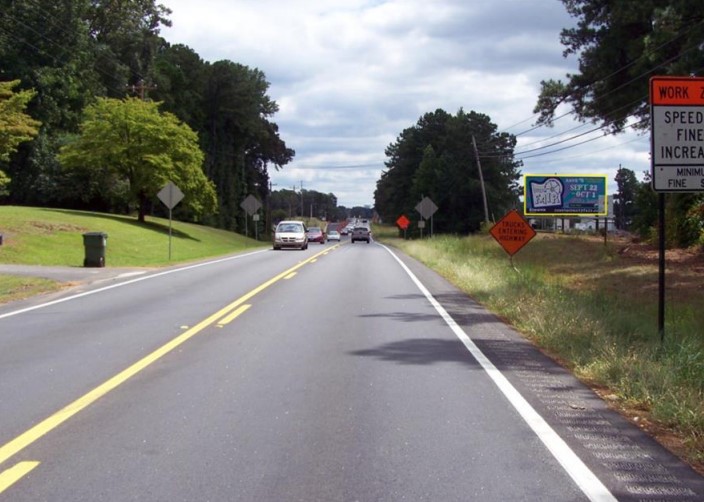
(350, 75)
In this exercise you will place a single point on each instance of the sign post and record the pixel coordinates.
(250, 205)
(170, 195)
(427, 208)
(676, 152)
(403, 223)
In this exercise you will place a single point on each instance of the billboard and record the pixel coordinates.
(564, 195)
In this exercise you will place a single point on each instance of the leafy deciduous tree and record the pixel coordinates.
(131, 141)
(15, 125)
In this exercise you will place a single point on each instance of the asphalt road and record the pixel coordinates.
(337, 373)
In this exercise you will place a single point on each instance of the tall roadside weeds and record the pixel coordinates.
(581, 302)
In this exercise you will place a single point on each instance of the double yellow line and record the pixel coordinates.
(221, 317)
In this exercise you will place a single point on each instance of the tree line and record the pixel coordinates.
(436, 158)
(71, 54)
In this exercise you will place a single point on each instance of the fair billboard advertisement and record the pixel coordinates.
(564, 195)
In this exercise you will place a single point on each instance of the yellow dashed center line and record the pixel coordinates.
(229, 318)
(14, 474)
(223, 316)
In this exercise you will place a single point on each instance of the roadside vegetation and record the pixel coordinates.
(54, 237)
(593, 307)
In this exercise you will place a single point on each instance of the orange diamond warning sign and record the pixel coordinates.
(403, 222)
(512, 232)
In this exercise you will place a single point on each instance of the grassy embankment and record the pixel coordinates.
(596, 311)
(35, 236)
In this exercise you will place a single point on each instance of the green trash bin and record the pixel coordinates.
(94, 244)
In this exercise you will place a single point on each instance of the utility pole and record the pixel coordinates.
(268, 209)
(481, 180)
(290, 207)
(141, 89)
(302, 210)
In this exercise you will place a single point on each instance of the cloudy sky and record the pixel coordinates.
(350, 75)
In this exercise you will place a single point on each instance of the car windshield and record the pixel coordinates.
(290, 227)
(314, 230)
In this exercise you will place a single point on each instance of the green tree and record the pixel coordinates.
(70, 52)
(15, 125)
(129, 141)
(180, 79)
(238, 139)
(619, 46)
(126, 40)
(646, 209)
(425, 179)
(624, 207)
(436, 158)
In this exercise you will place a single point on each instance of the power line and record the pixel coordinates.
(64, 50)
(578, 144)
(639, 138)
(622, 68)
(323, 167)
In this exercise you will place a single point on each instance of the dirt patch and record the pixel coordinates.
(684, 268)
(634, 250)
(43, 227)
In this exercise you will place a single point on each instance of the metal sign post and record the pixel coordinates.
(676, 152)
(427, 208)
(403, 223)
(170, 195)
(250, 205)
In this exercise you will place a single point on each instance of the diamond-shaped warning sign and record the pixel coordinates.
(512, 232)
(251, 205)
(403, 222)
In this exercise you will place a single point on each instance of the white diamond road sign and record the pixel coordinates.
(426, 207)
(170, 195)
(251, 205)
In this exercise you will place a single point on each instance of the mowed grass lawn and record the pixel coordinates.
(36, 236)
(593, 307)
(54, 237)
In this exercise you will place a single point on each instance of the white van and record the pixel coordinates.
(291, 234)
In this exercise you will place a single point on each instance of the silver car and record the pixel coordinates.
(291, 234)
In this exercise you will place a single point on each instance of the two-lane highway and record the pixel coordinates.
(338, 373)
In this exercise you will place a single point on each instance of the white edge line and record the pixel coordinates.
(587, 481)
(132, 281)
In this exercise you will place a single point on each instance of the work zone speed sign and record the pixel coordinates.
(677, 133)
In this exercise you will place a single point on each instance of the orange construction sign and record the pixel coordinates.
(512, 232)
(403, 222)
(677, 91)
